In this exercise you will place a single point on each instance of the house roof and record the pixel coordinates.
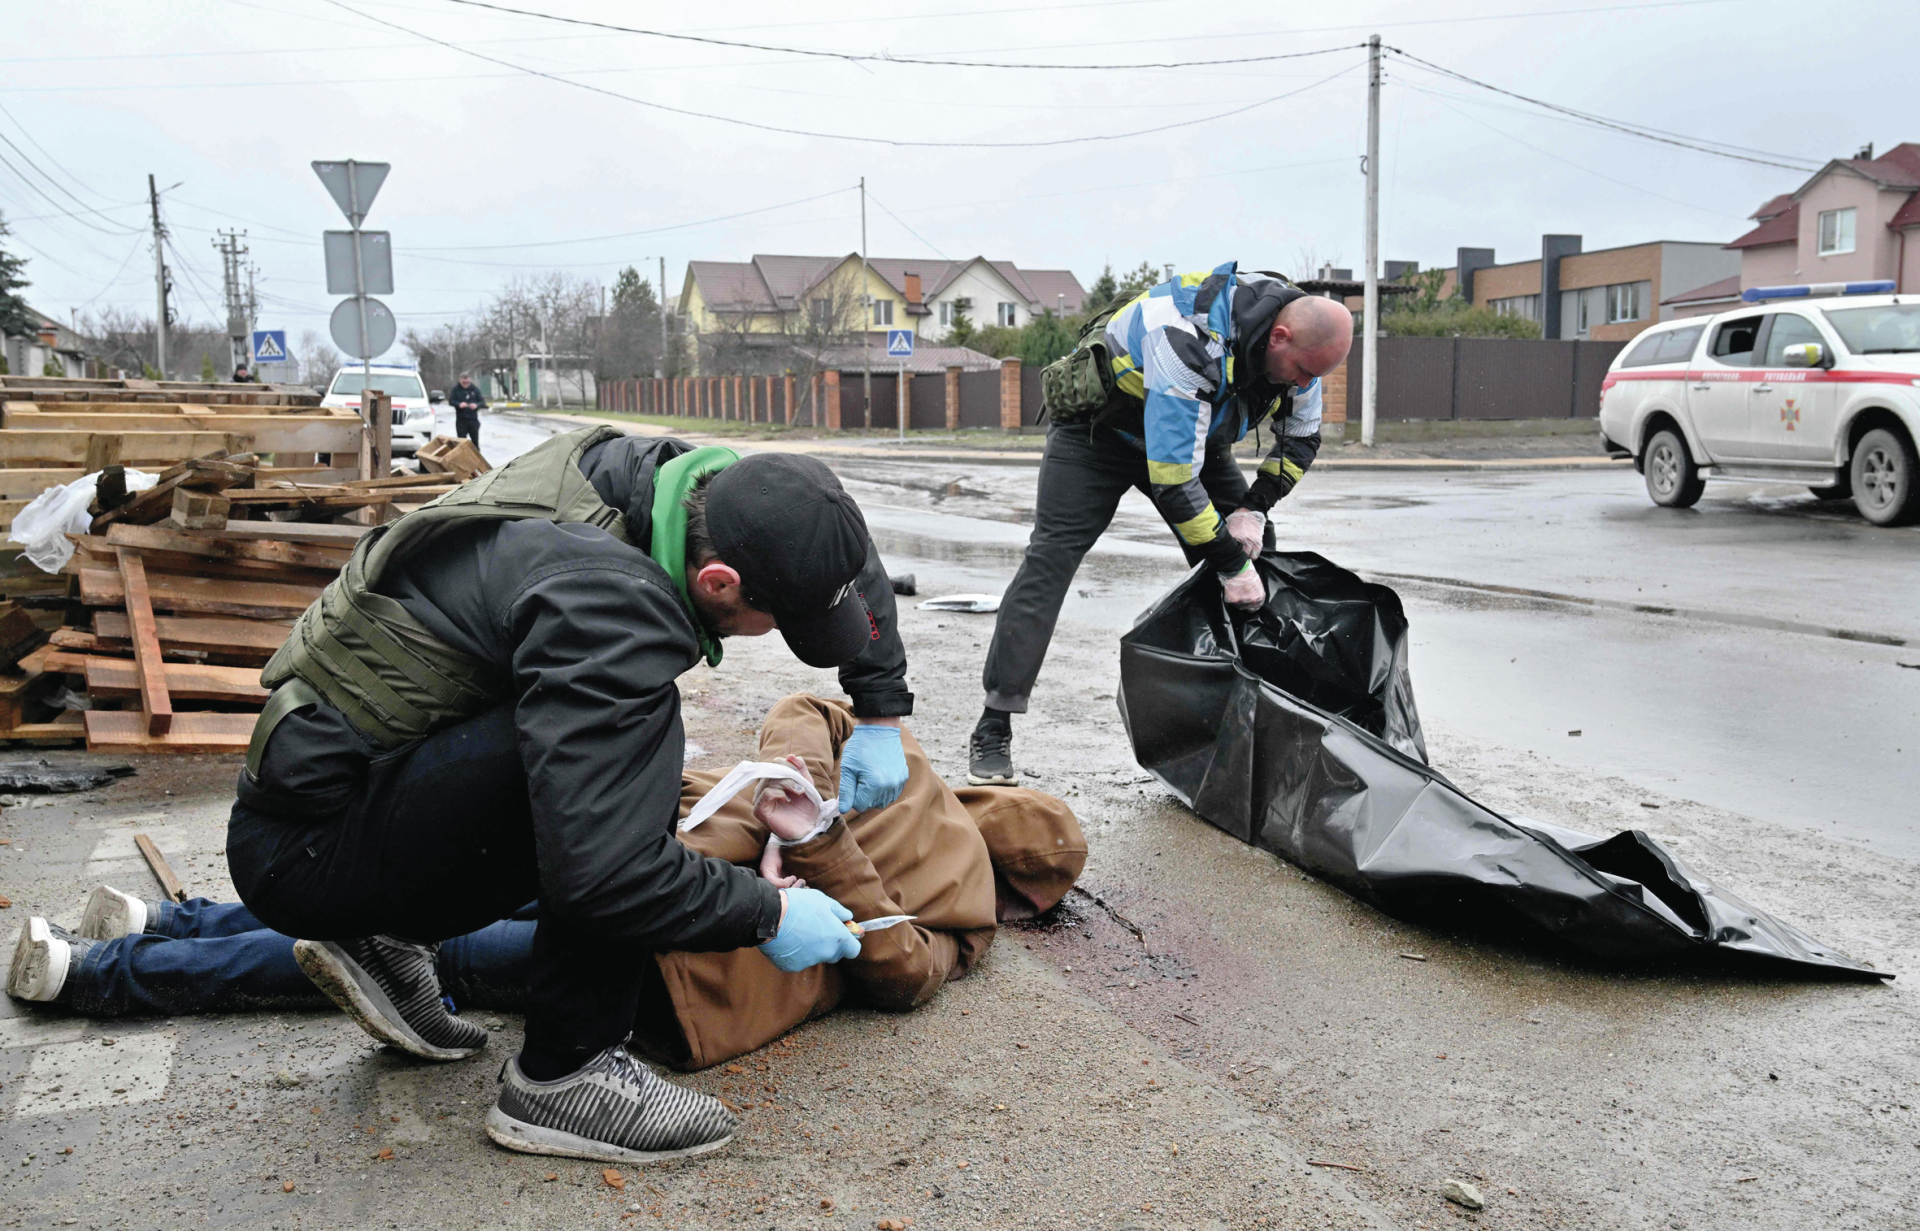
(1898, 168)
(1781, 228)
(1777, 205)
(1725, 288)
(778, 283)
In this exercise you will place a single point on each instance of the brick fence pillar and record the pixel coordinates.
(1010, 395)
(953, 399)
(1333, 396)
(787, 402)
(830, 395)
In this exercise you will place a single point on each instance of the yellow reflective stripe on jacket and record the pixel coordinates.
(1282, 466)
(1169, 474)
(1127, 377)
(1197, 530)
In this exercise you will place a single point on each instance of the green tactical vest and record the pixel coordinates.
(364, 655)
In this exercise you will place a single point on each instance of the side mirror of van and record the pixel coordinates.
(1805, 355)
(436, 396)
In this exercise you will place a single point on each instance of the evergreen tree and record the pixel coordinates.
(962, 330)
(16, 319)
(1104, 291)
(1046, 338)
(206, 368)
(1143, 277)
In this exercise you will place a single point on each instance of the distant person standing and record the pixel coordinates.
(467, 402)
(241, 376)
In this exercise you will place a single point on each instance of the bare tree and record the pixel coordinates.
(318, 360)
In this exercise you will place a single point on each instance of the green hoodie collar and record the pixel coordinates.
(671, 483)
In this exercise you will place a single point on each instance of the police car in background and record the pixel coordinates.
(412, 411)
(1805, 384)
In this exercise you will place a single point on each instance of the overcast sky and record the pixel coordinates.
(231, 99)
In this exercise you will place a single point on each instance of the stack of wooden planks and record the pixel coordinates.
(178, 595)
(54, 430)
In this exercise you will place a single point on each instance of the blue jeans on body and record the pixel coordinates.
(215, 957)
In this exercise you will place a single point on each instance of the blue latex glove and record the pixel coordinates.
(873, 768)
(814, 931)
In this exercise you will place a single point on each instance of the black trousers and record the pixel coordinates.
(1081, 481)
(467, 423)
(436, 842)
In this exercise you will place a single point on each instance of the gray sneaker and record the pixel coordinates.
(991, 759)
(615, 1109)
(43, 955)
(391, 988)
(111, 914)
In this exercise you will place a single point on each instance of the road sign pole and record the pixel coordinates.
(900, 410)
(360, 295)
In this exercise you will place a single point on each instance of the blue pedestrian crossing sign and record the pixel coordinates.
(899, 343)
(269, 346)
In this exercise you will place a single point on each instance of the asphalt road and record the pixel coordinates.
(1262, 1023)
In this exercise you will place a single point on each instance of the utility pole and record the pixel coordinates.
(159, 281)
(866, 326)
(1370, 343)
(660, 368)
(231, 253)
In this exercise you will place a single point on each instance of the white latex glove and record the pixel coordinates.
(1244, 588)
(1248, 528)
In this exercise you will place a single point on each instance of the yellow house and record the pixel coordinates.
(746, 315)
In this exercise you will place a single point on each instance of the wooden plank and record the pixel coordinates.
(123, 731)
(27, 482)
(119, 678)
(196, 632)
(438, 482)
(289, 532)
(251, 423)
(48, 406)
(256, 600)
(162, 871)
(164, 538)
(69, 448)
(198, 510)
(63, 730)
(151, 668)
(89, 556)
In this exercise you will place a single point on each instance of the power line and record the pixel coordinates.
(897, 218)
(858, 57)
(588, 239)
(1557, 158)
(802, 132)
(1633, 130)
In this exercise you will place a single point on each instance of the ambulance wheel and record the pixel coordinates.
(1884, 478)
(1673, 481)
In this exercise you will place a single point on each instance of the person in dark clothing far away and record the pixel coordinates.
(482, 710)
(241, 376)
(467, 402)
(1186, 369)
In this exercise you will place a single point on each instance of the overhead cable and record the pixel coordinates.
(882, 57)
(1702, 144)
(824, 136)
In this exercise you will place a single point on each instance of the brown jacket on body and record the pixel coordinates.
(932, 853)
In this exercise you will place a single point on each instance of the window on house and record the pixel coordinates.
(1526, 307)
(883, 312)
(946, 313)
(821, 311)
(1836, 231)
(1582, 324)
(1009, 315)
(1626, 301)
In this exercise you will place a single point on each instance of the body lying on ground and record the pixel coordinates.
(958, 861)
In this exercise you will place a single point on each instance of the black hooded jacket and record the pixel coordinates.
(592, 634)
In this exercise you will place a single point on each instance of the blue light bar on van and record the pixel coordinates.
(1758, 293)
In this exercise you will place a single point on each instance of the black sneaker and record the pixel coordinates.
(391, 988)
(992, 756)
(615, 1109)
(43, 956)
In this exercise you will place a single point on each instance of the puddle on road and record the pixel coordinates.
(1735, 618)
(1366, 503)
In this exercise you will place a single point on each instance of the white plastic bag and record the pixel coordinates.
(754, 771)
(43, 526)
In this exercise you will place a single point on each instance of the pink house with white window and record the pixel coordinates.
(1856, 220)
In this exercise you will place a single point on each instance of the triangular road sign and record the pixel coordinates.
(353, 183)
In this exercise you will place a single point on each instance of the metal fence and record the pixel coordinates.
(1484, 378)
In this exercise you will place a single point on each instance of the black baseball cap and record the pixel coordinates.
(797, 539)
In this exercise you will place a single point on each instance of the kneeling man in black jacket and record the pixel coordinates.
(481, 710)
